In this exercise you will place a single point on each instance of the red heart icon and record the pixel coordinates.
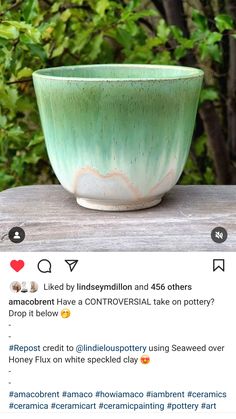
(17, 265)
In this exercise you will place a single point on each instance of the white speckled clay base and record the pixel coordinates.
(97, 204)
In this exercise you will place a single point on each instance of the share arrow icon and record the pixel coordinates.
(71, 263)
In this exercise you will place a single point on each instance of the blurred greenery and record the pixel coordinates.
(36, 34)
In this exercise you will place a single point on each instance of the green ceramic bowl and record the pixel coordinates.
(118, 135)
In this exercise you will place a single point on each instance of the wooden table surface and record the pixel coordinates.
(53, 221)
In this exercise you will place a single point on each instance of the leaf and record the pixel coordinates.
(198, 35)
(187, 43)
(8, 31)
(82, 38)
(180, 52)
(96, 46)
(215, 53)
(101, 7)
(210, 51)
(38, 139)
(47, 32)
(6, 179)
(30, 10)
(58, 51)
(131, 27)
(163, 31)
(19, 24)
(37, 50)
(200, 145)
(214, 37)
(65, 15)
(224, 22)
(199, 19)
(163, 57)
(209, 93)
(7, 56)
(32, 158)
(8, 96)
(177, 33)
(143, 13)
(15, 131)
(55, 7)
(133, 4)
(209, 176)
(27, 29)
(3, 121)
(24, 72)
(123, 37)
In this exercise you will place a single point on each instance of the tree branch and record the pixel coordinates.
(216, 142)
(159, 6)
(175, 15)
(231, 8)
(20, 81)
(221, 6)
(211, 120)
(208, 12)
(146, 23)
(231, 85)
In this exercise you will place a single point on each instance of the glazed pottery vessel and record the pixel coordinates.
(118, 136)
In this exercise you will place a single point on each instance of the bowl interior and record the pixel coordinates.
(120, 72)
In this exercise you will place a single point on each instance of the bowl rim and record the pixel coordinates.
(194, 73)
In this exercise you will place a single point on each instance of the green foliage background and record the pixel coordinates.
(36, 34)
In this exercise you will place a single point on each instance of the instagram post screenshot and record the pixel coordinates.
(117, 209)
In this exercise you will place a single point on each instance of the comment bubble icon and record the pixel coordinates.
(44, 266)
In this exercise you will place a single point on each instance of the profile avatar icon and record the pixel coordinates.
(33, 286)
(23, 287)
(16, 235)
(15, 286)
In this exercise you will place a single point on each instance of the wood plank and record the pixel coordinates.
(53, 221)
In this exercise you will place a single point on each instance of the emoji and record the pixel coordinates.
(17, 265)
(65, 313)
(145, 359)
